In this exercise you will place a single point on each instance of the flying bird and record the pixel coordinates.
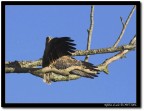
(58, 54)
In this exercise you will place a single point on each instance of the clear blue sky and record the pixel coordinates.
(26, 30)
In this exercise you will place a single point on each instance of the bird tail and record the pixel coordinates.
(89, 66)
(84, 74)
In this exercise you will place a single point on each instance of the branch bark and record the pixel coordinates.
(104, 65)
(33, 64)
(102, 50)
(57, 75)
(124, 26)
(90, 31)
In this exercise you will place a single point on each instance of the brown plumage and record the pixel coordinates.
(57, 54)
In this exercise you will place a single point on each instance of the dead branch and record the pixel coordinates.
(90, 31)
(124, 26)
(40, 71)
(64, 75)
(32, 64)
(61, 75)
(104, 65)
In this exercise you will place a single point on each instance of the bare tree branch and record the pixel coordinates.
(133, 41)
(40, 71)
(61, 75)
(104, 65)
(124, 26)
(64, 75)
(32, 64)
(122, 21)
(102, 50)
(63, 72)
(90, 31)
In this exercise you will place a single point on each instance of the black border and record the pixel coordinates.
(74, 105)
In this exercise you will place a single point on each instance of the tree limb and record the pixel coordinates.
(124, 26)
(102, 50)
(104, 65)
(32, 64)
(90, 31)
(40, 71)
(61, 75)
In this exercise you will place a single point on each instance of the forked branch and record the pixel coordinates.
(124, 26)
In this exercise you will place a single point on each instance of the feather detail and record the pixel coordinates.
(57, 54)
(56, 48)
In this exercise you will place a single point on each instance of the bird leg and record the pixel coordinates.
(46, 78)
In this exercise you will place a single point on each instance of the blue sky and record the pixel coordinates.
(26, 30)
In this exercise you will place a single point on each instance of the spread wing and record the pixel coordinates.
(56, 48)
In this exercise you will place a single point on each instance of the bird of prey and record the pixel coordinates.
(57, 54)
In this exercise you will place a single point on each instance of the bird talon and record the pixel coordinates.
(46, 78)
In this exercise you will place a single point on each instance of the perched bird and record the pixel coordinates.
(57, 54)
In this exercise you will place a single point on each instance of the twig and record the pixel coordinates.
(122, 21)
(124, 26)
(90, 31)
(133, 41)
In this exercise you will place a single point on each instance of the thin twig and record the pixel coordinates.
(122, 21)
(124, 26)
(90, 31)
(133, 41)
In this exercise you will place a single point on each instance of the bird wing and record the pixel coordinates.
(65, 62)
(58, 47)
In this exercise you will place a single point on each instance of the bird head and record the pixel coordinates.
(48, 39)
